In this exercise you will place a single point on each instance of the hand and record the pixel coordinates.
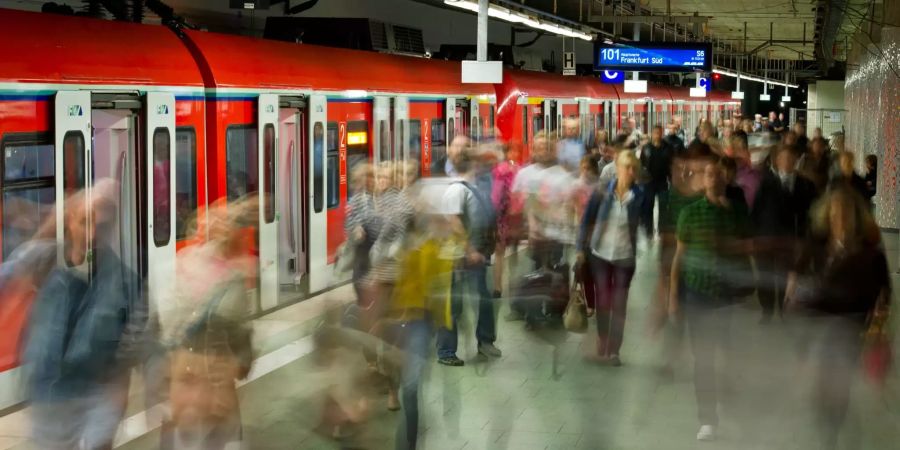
(474, 258)
(589, 311)
(359, 233)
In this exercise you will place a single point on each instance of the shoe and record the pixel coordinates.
(489, 350)
(707, 433)
(452, 361)
(614, 361)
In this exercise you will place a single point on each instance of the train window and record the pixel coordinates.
(185, 182)
(438, 142)
(162, 211)
(537, 124)
(318, 170)
(401, 141)
(491, 117)
(29, 191)
(415, 139)
(269, 172)
(384, 130)
(451, 127)
(525, 125)
(73, 182)
(357, 147)
(333, 169)
(241, 161)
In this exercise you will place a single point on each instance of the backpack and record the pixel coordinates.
(485, 226)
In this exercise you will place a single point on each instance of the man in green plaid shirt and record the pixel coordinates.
(709, 232)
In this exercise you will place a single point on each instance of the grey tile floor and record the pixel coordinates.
(542, 394)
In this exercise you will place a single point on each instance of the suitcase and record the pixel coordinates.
(541, 296)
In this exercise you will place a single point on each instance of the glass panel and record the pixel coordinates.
(318, 169)
(357, 149)
(269, 172)
(415, 139)
(185, 182)
(385, 142)
(73, 162)
(452, 128)
(73, 182)
(162, 212)
(333, 167)
(525, 134)
(438, 144)
(24, 210)
(537, 124)
(241, 161)
(31, 161)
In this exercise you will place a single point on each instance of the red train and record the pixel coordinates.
(185, 120)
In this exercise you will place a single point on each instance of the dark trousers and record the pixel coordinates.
(773, 266)
(414, 337)
(708, 329)
(545, 253)
(611, 302)
(485, 330)
(652, 195)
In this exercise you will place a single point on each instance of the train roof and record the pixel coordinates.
(51, 48)
(548, 85)
(244, 62)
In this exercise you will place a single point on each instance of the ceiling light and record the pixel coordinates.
(499, 12)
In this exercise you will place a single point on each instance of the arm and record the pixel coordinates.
(674, 277)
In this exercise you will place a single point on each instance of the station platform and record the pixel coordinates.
(543, 394)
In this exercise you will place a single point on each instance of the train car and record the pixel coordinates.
(532, 102)
(645, 107)
(84, 101)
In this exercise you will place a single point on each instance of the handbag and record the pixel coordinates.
(575, 317)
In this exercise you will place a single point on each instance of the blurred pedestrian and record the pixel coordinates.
(656, 159)
(571, 148)
(815, 164)
(607, 243)
(509, 217)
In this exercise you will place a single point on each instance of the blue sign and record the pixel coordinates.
(704, 83)
(668, 57)
(612, 76)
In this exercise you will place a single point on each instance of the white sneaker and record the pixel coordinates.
(706, 433)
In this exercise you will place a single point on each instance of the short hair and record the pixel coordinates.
(629, 157)
(593, 164)
(699, 150)
(728, 164)
(739, 136)
(872, 159)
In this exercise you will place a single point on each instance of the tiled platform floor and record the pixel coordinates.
(542, 394)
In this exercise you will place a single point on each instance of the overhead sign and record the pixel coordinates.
(698, 92)
(612, 76)
(489, 72)
(569, 63)
(654, 57)
(703, 83)
(636, 86)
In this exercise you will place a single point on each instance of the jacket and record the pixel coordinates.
(777, 212)
(597, 212)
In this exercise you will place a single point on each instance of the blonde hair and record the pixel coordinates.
(628, 157)
(359, 174)
(862, 227)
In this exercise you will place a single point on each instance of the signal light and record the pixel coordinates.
(716, 76)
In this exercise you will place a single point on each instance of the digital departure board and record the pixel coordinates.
(658, 57)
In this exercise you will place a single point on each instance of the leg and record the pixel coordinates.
(701, 329)
(103, 414)
(621, 281)
(499, 261)
(838, 362)
(485, 330)
(416, 341)
(447, 338)
(766, 287)
(602, 299)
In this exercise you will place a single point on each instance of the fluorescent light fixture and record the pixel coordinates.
(786, 98)
(752, 78)
(499, 12)
(765, 97)
(636, 86)
(737, 95)
(355, 93)
(698, 92)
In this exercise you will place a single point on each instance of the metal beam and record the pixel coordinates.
(593, 18)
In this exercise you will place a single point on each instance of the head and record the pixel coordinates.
(678, 121)
(572, 128)
(871, 163)
(727, 132)
(384, 177)
(714, 180)
(457, 146)
(543, 149)
(363, 178)
(799, 129)
(631, 124)
(656, 135)
(737, 147)
(781, 116)
(818, 147)
(817, 133)
(410, 173)
(720, 123)
(790, 138)
(842, 214)
(608, 153)
(785, 160)
(601, 138)
(846, 163)
(772, 116)
(671, 128)
(706, 132)
(627, 166)
(589, 168)
(729, 169)
(747, 126)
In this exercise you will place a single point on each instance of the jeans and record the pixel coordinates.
(86, 422)
(611, 302)
(415, 337)
(708, 329)
(485, 332)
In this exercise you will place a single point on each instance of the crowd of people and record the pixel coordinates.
(746, 210)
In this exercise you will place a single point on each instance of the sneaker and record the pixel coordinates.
(452, 361)
(489, 350)
(707, 433)
(614, 361)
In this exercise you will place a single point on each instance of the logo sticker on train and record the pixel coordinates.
(162, 110)
(270, 108)
(75, 111)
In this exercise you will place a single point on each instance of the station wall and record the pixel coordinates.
(872, 98)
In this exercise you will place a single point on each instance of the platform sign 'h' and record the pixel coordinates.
(569, 63)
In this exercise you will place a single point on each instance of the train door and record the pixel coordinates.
(401, 129)
(475, 127)
(381, 117)
(268, 122)
(586, 121)
(73, 144)
(292, 187)
(317, 213)
(551, 118)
